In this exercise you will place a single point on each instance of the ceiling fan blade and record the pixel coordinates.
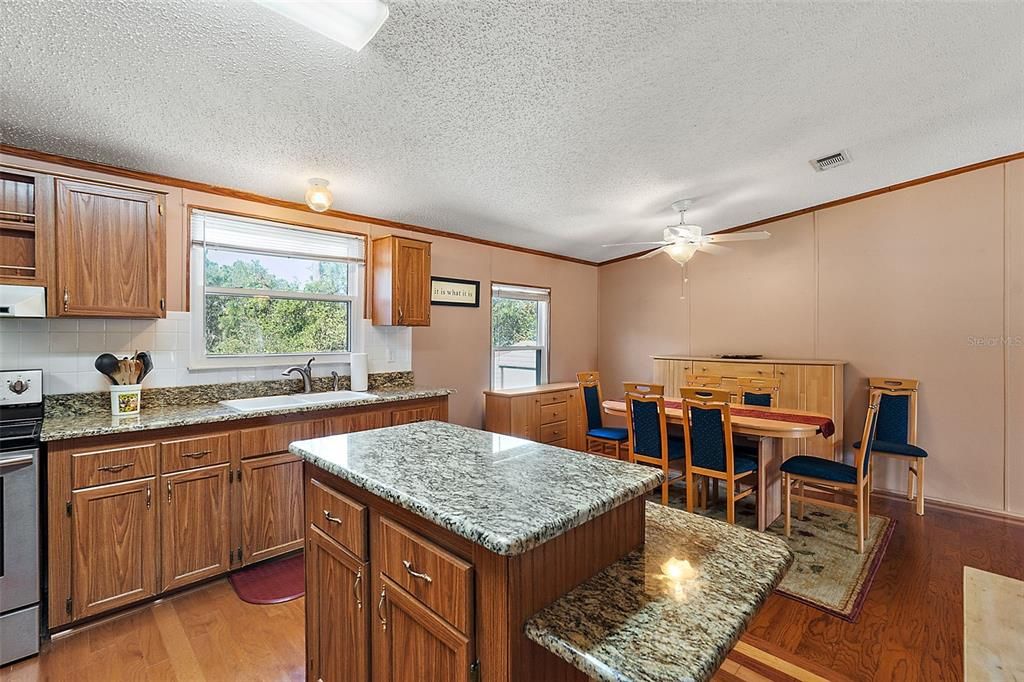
(654, 253)
(712, 249)
(737, 236)
(662, 243)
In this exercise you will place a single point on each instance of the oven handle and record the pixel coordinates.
(15, 459)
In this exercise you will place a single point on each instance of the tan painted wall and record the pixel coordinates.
(897, 284)
(454, 351)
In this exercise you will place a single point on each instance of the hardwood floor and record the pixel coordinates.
(911, 627)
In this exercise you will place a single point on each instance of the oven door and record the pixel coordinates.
(19, 528)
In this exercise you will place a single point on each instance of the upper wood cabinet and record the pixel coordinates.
(110, 256)
(401, 282)
(26, 226)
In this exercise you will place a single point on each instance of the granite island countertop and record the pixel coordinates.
(63, 427)
(503, 493)
(632, 622)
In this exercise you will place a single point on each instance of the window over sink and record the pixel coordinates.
(519, 335)
(270, 293)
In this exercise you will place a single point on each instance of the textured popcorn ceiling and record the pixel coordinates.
(555, 125)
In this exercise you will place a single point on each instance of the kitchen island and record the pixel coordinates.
(431, 547)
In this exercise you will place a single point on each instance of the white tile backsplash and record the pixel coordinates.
(66, 349)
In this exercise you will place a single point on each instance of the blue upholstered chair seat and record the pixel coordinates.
(741, 464)
(905, 449)
(819, 467)
(609, 433)
(676, 448)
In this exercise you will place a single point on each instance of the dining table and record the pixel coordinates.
(769, 427)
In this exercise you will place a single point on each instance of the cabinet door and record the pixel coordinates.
(411, 285)
(524, 417)
(415, 414)
(809, 388)
(337, 592)
(669, 373)
(411, 642)
(195, 538)
(26, 227)
(271, 506)
(361, 421)
(113, 537)
(110, 251)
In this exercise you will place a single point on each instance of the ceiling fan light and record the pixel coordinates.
(681, 252)
(352, 22)
(318, 197)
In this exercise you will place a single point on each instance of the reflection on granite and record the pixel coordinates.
(69, 404)
(101, 423)
(503, 493)
(650, 616)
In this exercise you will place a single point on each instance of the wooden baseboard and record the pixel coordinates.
(930, 502)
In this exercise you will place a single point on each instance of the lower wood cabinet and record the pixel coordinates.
(415, 414)
(113, 534)
(271, 506)
(195, 526)
(337, 599)
(550, 413)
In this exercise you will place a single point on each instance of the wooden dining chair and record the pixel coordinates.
(607, 441)
(707, 430)
(703, 381)
(649, 442)
(897, 430)
(836, 478)
(643, 388)
(758, 391)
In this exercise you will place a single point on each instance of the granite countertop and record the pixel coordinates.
(62, 427)
(503, 493)
(631, 622)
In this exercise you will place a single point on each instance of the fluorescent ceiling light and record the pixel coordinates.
(350, 22)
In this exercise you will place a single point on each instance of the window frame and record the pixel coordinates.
(543, 331)
(198, 358)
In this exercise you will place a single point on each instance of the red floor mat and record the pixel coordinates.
(272, 582)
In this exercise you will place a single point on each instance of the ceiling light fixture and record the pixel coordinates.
(318, 197)
(350, 22)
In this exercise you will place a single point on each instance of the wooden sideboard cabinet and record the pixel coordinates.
(401, 282)
(110, 251)
(811, 385)
(135, 515)
(549, 414)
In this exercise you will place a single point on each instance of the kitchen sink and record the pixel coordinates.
(273, 402)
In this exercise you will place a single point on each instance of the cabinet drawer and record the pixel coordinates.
(733, 369)
(555, 412)
(338, 516)
(110, 466)
(549, 433)
(559, 443)
(266, 440)
(440, 580)
(189, 453)
(552, 398)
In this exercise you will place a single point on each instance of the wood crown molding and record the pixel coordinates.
(156, 178)
(409, 227)
(846, 200)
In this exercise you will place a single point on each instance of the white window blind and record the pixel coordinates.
(520, 292)
(218, 230)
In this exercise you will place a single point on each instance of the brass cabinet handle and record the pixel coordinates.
(149, 497)
(415, 574)
(196, 455)
(67, 299)
(329, 517)
(355, 588)
(380, 608)
(114, 468)
(401, 315)
(168, 491)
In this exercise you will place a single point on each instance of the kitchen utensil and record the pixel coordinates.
(147, 364)
(107, 364)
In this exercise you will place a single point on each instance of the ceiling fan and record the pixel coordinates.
(682, 241)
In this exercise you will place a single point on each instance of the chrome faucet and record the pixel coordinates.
(337, 379)
(305, 372)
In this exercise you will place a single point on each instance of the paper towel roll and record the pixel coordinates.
(360, 376)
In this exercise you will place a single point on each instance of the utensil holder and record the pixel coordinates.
(126, 399)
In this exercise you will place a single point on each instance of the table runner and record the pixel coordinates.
(826, 427)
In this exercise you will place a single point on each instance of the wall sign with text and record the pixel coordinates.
(457, 292)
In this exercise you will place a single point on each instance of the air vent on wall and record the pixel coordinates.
(831, 161)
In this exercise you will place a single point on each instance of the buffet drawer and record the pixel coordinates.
(549, 433)
(338, 516)
(556, 412)
(110, 466)
(552, 398)
(188, 453)
(734, 370)
(436, 577)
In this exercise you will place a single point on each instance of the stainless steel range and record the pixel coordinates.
(21, 416)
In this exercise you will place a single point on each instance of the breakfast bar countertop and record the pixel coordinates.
(503, 493)
(649, 616)
(63, 427)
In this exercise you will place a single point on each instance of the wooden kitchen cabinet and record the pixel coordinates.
(110, 251)
(549, 414)
(401, 282)
(26, 227)
(359, 421)
(271, 506)
(415, 414)
(337, 599)
(113, 535)
(195, 528)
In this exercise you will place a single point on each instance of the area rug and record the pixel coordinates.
(271, 582)
(828, 573)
